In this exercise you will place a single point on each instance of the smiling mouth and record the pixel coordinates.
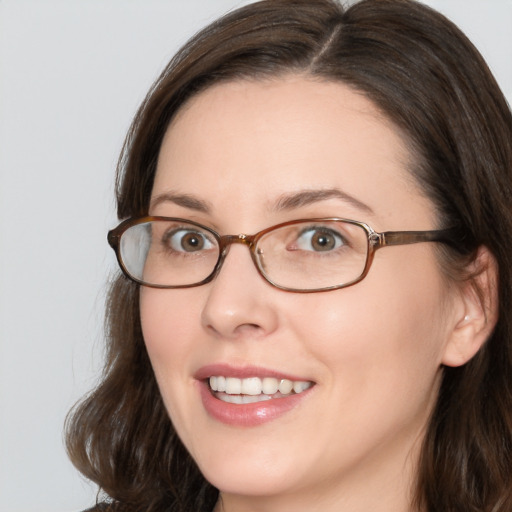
(254, 389)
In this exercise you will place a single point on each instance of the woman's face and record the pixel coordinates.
(241, 157)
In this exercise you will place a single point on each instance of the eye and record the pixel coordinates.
(319, 239)
(187, 240)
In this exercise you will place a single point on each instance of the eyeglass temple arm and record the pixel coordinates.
(410, 237)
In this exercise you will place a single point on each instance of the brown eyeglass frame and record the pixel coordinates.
(376, 241)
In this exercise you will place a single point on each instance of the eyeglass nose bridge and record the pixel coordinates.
(226, 241)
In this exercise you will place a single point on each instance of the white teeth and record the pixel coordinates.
(221, 383)
(233, 386)
(269, 386)
(251, 386)
(285, 386)
(300, 386)
(254, 389)
(244, 399)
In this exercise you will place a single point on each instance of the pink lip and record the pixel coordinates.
(242, 372)
(245, 415)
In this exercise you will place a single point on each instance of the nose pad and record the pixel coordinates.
(239, 299)
(241, 239)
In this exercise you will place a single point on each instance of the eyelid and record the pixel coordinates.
(324, 227)
(319, 226)
(194, 220)
(300, 242)
(189, 225)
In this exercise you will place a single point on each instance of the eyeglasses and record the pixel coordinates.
(307, 255)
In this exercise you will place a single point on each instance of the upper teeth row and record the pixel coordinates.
(256, 386)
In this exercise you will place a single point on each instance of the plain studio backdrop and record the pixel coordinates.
(72, 73)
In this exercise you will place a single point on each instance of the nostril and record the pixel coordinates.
(240, 331)
(248, 329)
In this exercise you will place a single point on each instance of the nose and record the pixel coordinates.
(240, 303)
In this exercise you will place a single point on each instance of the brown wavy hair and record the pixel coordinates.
(429, 80)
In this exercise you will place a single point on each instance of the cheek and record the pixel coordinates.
(170, 320)
(391, 326)
(166, 319)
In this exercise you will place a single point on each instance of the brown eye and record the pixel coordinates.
(185, 240)
(192, 242)
(322, 242)
(319, 239)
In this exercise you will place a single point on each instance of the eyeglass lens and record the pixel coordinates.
(301, 256)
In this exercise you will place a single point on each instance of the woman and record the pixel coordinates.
(356, 353)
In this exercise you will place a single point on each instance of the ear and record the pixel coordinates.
(476, 313)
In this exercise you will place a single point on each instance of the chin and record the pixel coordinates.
(250, 481)
(248, 469)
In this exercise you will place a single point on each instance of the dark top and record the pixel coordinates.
(100, 507)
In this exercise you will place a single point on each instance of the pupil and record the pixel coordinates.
(191, 242)
(323, 242)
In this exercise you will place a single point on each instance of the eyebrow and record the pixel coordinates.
(285, 202)
(307, 197)
(184, 200)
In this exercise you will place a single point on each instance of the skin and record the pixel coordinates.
(374, 350)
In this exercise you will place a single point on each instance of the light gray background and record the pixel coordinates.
(72, 73)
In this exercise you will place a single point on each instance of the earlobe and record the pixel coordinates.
(477, 313)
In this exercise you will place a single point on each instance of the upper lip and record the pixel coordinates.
(243, 372)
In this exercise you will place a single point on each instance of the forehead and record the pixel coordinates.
(250, 142)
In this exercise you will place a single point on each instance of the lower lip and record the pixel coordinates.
(248, 415)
